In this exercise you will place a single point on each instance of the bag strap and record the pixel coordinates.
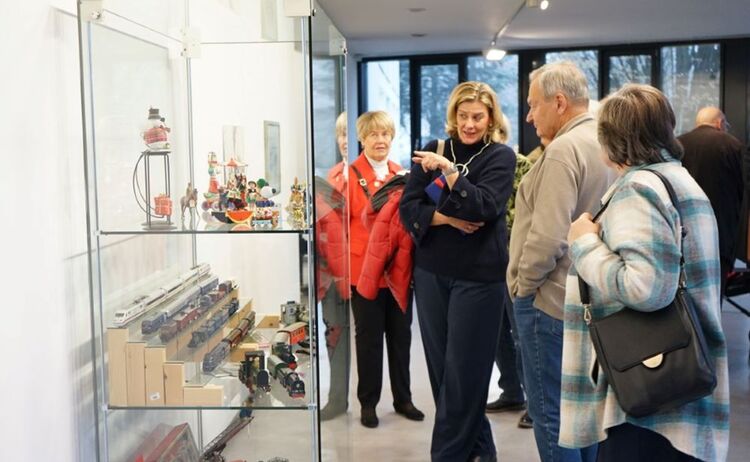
(583, 288)
(361, 180)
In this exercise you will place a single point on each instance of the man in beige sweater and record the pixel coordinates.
(568, 179)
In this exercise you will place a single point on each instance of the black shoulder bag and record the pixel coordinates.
(655, 361)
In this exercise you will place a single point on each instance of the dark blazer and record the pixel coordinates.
(714, 159)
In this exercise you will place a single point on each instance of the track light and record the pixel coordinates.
(543, 4)
(494, 54)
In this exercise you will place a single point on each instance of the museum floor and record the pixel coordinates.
(401, 440)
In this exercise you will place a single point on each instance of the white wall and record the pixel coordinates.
(44, 332)
(47, 390)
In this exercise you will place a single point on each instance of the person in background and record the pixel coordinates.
(508, 356)
(334, 288)
(383, 316)
(567, 180)
(454, 208)
(631, 257)
(338, 175)
(714, 158)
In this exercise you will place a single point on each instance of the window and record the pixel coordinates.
(436, 84)
(691, 79)
(628, 69)
(388, 90)
(587, 60)
(502, 76)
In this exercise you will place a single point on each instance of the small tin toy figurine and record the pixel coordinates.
(156, 135)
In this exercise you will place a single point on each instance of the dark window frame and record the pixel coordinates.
(529, 59)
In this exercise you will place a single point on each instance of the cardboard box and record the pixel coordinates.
(117, 339)
(270, 321)
(174, 381)
(206, 395)
(155, 358)
(136, 370)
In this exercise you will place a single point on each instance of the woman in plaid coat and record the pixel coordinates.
(631, 258)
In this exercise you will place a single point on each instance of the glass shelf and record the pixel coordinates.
(212, 228)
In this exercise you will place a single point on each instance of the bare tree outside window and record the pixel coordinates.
(587, 60)
(388, 90)
(691, 79)
(629, 69)
(502, 76)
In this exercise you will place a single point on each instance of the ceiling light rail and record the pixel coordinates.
(494, 52)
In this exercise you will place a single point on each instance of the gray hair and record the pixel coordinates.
(562, 77)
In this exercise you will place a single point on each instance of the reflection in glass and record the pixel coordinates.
(691, 79)
(629, 69)
(502, 76)
(388, 90)
(436, 83)
(587, 60)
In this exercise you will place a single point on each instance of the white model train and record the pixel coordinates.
(145, 302)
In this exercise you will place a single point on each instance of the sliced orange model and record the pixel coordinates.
(239, 216)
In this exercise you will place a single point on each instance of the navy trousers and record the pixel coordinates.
(459, 321)
(508, 355)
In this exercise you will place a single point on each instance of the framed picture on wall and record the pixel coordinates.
(272, 142)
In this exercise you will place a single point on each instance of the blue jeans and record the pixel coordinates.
(541, 338)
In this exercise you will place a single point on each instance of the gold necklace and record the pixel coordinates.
(464, 168)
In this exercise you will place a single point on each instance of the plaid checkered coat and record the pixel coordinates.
(635, 262)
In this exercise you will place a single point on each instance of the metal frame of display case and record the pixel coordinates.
(94, 14)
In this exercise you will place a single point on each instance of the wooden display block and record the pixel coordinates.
(155, 358)
(270, 321)
(174, 382)
(206, 395)
(238, 353)
(117, 339)
(136, 370)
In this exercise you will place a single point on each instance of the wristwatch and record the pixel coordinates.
(450, 170)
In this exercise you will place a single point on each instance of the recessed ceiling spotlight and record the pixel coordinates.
(418, 35)
(417, 10)
(544, 4)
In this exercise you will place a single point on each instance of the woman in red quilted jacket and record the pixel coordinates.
(381, 315)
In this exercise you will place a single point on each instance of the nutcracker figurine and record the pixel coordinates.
(155, 136)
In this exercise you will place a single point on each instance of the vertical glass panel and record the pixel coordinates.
(628, 69)
(146, 75)
(330, 295)
(587, 60)
(436, 83)
(691, 79)
(502, 76)
(388, 90)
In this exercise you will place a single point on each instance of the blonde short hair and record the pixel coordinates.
(374, 120)
(470, 92)
(341, 124)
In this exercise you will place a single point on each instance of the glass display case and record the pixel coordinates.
(210, 132)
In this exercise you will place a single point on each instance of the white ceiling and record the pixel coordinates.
(384, 27)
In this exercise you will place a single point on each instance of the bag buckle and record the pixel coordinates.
(654, 361)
